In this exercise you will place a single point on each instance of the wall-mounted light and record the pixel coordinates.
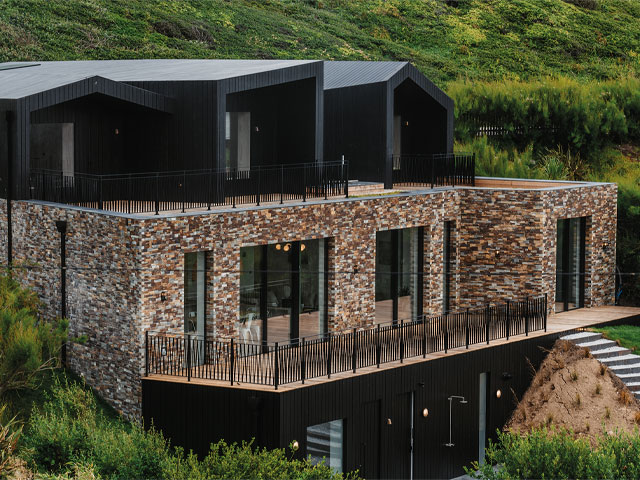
(406, 123)
(302, 247)
(506, 376)
(605, 247)
(287, 247)
(163, 296)
(498, 393)
(257, 128)
(389, 421)
(117, 131)
(278, 246)
(425, 412)
(295, 445)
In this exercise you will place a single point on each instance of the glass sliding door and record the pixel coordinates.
(399, 264)
(447, 270)
(194, 293)
(283, 291)
(570, 259)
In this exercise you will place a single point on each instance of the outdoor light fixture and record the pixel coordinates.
(257, 128)
(406, 124)
(498, 393)
(506, 376)
(389, 421)
(117, 132)
(278, 246)
(463, 401)
(425, 412)
(302, 247)
(295, 445)
(163, 297)
(287, 247)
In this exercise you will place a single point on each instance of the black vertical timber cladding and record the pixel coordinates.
(196, 415)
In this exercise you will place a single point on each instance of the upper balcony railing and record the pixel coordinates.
(192, 189)
(324, 355)
(435, 170)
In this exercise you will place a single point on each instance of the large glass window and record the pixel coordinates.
(399, 258)
(325, 441)
(448, 261)
(194, 293)
(283, 291)
(570, 252)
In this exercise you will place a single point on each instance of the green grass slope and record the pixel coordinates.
(481, 39)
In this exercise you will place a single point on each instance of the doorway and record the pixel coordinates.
(194, 293)
(570, 263)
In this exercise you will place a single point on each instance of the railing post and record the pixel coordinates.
(353, 350)
(378, 352)
(446, 332)
(100, 194)
(487, 318)
(346, 180)
(304, 182)
(258, 189)
(302, 361)
(526, 318)
(508, 317)
(146, 353)
(424, 337)
(466, 321)
(157, 193)
(184, 189)
(187, 339)
(329, 356)
(281, 184)
(545, 312)
(232, 355)
(401, 341)
(276, 372)
(209, 189)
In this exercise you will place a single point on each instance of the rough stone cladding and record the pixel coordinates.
(121, 268)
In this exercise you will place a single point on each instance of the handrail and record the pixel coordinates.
(323, 355)
(438, 169)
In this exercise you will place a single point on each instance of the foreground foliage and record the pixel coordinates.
(9, 436)
(28, 344)
(70, 436)
(557, 454)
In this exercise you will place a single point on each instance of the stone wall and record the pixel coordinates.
(126, 275)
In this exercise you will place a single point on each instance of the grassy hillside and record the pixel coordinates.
(481, 39)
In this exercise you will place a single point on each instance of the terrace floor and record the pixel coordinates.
(556, 323)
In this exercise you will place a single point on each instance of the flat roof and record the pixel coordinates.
(22, 79)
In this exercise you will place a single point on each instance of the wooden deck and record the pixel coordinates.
(561, 322)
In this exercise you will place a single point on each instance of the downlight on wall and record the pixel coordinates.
(425, 412)
(498, 393)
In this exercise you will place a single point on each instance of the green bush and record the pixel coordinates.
(582, 117)
(28, 344)
(9, 435)
(558, 454)
(71, 437)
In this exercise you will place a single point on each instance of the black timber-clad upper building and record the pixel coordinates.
(132, 116)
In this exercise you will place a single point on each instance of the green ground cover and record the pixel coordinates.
(627, 335)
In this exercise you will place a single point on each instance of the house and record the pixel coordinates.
(291, 251)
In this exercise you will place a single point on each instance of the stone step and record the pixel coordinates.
(599, 344)
(633, 386)
(610, 352)
(625, 369)
(621, 360)
(629, 377)
(582, 337)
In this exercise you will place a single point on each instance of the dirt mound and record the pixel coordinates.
(575, 391)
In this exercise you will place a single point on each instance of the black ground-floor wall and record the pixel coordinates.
(375, 408)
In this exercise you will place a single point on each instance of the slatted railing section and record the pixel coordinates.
(326, 355)
(434, 170)
(193, 189)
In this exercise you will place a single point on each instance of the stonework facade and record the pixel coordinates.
(125, 273)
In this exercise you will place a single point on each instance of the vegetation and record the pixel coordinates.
(71, 434)
(550, 453)
(627, 336)
(479, 40)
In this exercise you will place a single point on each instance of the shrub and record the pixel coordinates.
(28, 345)
(9, 435)
(551, 453)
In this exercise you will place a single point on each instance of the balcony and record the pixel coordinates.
(297, 361)
(179, 191)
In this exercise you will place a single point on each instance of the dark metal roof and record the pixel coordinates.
(351, 73)
(22, 82)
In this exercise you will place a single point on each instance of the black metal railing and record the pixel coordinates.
(434, 170)
(190, 189)
(325, 355)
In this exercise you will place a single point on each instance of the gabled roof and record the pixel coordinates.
(343, 74)
(22, 79)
